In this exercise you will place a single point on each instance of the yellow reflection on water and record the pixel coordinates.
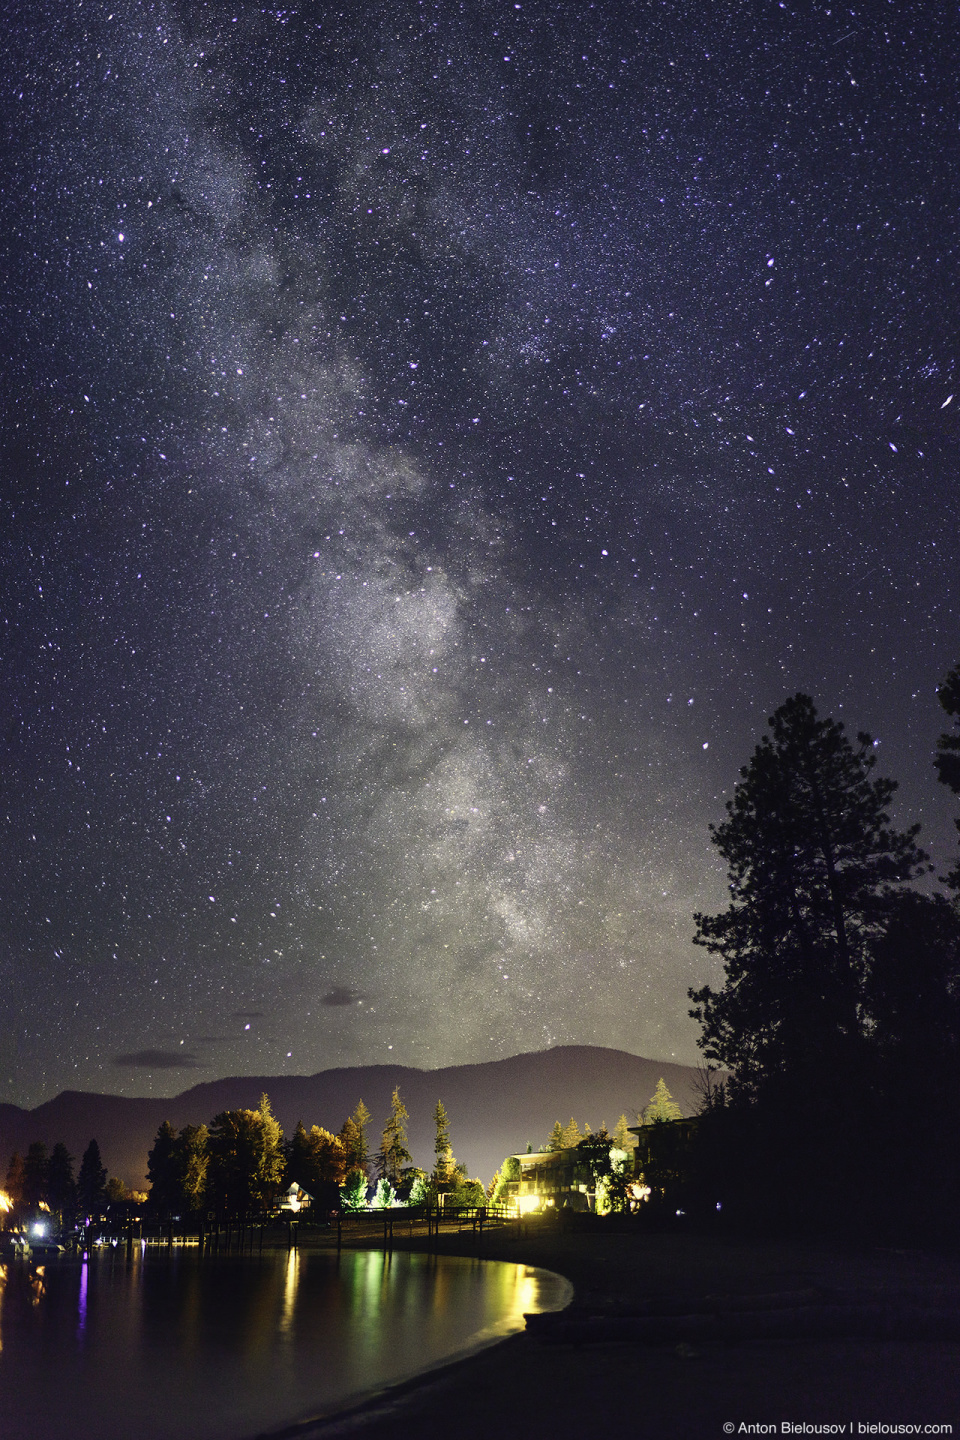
(291, 1276)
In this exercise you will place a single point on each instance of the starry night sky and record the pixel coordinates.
(435, 438)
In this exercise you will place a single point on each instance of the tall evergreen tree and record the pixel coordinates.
(35, 1170)
(555, 1138)
(443, 1154)
(813, 865)
(622, 1138)
(662, 1105)
(191, 1163)
(92, 1181)
(394, 1152)
(270, 1154)
(354, 1138)
(571, 1136)
(299, 1159)
(61, 1186)
(162, 1171)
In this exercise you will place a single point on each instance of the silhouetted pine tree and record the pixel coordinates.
(92, 1181)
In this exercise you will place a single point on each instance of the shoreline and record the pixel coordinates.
(557, 1381)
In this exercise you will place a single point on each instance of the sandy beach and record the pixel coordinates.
(730, 1338)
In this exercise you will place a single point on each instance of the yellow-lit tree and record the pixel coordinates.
(662, 1105)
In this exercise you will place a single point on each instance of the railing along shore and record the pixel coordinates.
(250, 1233)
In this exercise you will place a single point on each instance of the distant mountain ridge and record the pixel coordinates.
(496, 1108)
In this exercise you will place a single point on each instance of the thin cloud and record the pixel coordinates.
(159, 1060)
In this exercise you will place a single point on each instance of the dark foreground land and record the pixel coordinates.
(700, 1337)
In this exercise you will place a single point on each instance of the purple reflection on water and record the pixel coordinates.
(82, 1301)
(238, 1345)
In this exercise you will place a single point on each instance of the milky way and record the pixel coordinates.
(435, 438)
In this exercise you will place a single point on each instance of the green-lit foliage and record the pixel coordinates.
(384, 1196)
(353, 1191)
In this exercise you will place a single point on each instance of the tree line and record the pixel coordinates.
(241, 1164)
(838, 1018)
(40, 1183)
(661, 1106)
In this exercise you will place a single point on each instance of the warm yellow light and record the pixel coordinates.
(5, 1202)
(527, 1203)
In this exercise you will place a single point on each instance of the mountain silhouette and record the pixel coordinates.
(496, 1108)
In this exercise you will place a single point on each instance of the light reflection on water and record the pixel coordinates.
(171, 1346)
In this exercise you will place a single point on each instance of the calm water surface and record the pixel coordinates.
(163, 1345)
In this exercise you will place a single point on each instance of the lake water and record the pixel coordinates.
(161, 1345)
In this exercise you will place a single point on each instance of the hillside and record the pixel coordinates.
(495, 1108)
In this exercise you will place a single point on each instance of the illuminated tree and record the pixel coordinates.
(621, 1134)
(813, 866)
(269, 1155)
(555, 1138)
(508, 1174)
(617, 1191)
(467, 1193)
(13, 1184)
(246, 1159)
(445, 1164)
(192, 1166)
(394, 1153)
(662, 1106)
(315, 1158)
(421, 1191)
(178, 1169)
(383, 1196)
(570, 1136)
(353, 1191)
(593, 1152)
(354, 1138)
